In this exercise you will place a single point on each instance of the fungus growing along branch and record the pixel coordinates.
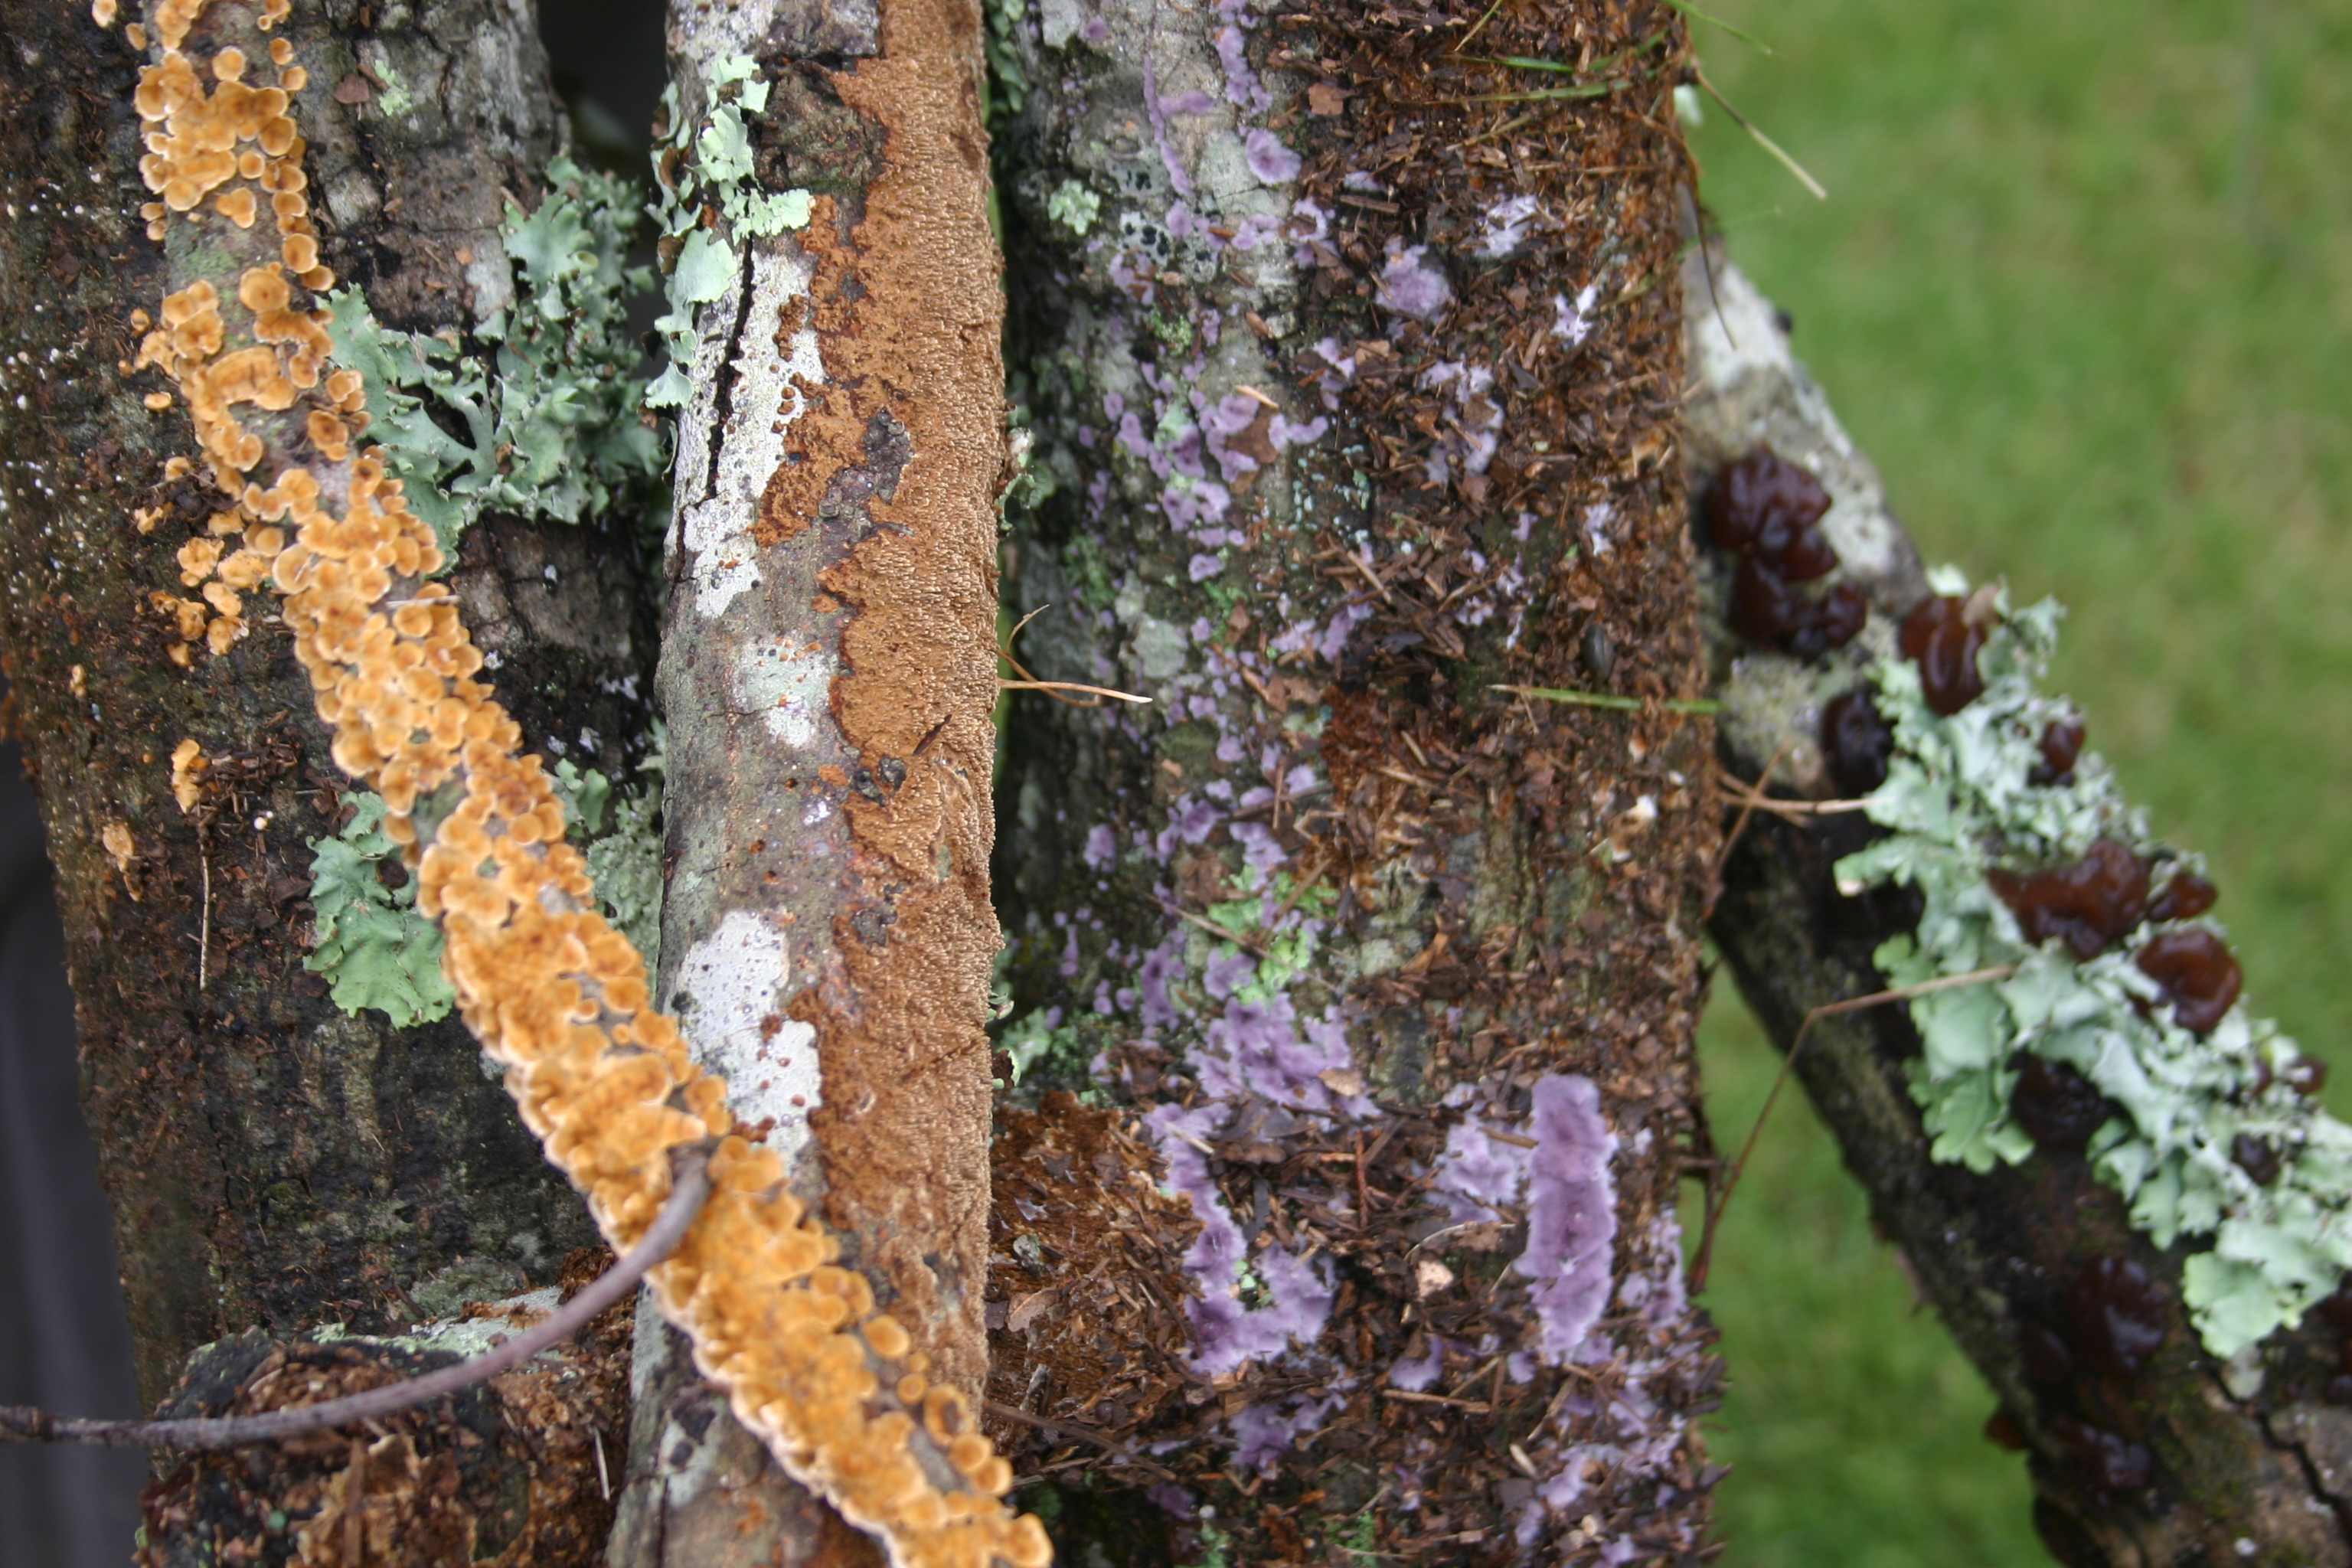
(554, 991)
(691, 1186)
(2107, 1173)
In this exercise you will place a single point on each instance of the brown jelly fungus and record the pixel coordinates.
(2058, 1107)
(2258, 1157)
(2000, 1429)
(2117, 1311)
(2199, 977)
(2307, 1075)
(2111, 1462)
(2047, 1362)
(2061, 744)
(1760, 491)
(2090, 905)
(1766, 510)
(1856, 742)
(1938, 636)
(2186, 897)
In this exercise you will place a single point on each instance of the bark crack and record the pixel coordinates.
(723, 399)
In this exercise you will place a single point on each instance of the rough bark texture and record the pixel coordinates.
(1355, 392)
(271, 1161)
(828, 673)
(508, 1472)
(2262, 1477)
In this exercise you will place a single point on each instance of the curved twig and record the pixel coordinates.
(689, 1188)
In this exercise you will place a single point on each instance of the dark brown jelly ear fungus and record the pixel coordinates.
(1856, 742)
(1943, 634)
(1767, 511)
(2089, 905)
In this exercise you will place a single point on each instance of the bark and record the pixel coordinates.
(827, 672)
(1335, 439)
(507, 1472)
(270, 1161)
(2249, 1461)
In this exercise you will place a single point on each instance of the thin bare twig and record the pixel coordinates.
(690, 1187)
(1788, 1062)
(1070, 686)
(1054, 689)
(1701, 705)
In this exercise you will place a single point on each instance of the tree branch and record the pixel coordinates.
(2164, 1453)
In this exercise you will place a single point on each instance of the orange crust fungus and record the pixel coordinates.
(554, 991)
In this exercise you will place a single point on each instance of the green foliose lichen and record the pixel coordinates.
(375, 949)
(620, 833)
(1008, 81)
(1957, 801)
(1074, 205)
(708, 201)
(539, 416)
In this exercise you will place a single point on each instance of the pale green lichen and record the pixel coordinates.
(392, 96)
(710, 165)
(1958, 800)
(369, 939)
(620, 833)
(547, 407)
(1075, 206)
(1008, 82)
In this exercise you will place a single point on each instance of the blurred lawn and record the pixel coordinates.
(2082, 289)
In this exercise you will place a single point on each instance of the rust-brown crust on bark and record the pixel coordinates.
(907, 306)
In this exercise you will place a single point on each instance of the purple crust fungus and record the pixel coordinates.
(1411, 285)
(1571, 1212)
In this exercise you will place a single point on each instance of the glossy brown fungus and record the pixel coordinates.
(1856, 742)
(1943, 641)
(2062, 745)
(2199, 976)
(1758, 492)
(2185, 897)
(2058, 1107)
(2258, 1157)
(2002, 1430)
(2117, 1313)
(2108, 1460)
(2090, 905)
(2047, 1363)
(1767, 511)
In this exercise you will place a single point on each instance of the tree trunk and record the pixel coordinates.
(272, 1160)
(2146, 1446)
(1353, 387)
(827, 672)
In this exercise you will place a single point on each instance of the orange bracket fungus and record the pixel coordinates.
(554, 992)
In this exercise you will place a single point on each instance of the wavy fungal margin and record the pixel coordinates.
(550, 987)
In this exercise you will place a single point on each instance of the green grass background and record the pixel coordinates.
(2082, 290)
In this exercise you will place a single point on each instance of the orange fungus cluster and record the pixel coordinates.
(553, 990)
